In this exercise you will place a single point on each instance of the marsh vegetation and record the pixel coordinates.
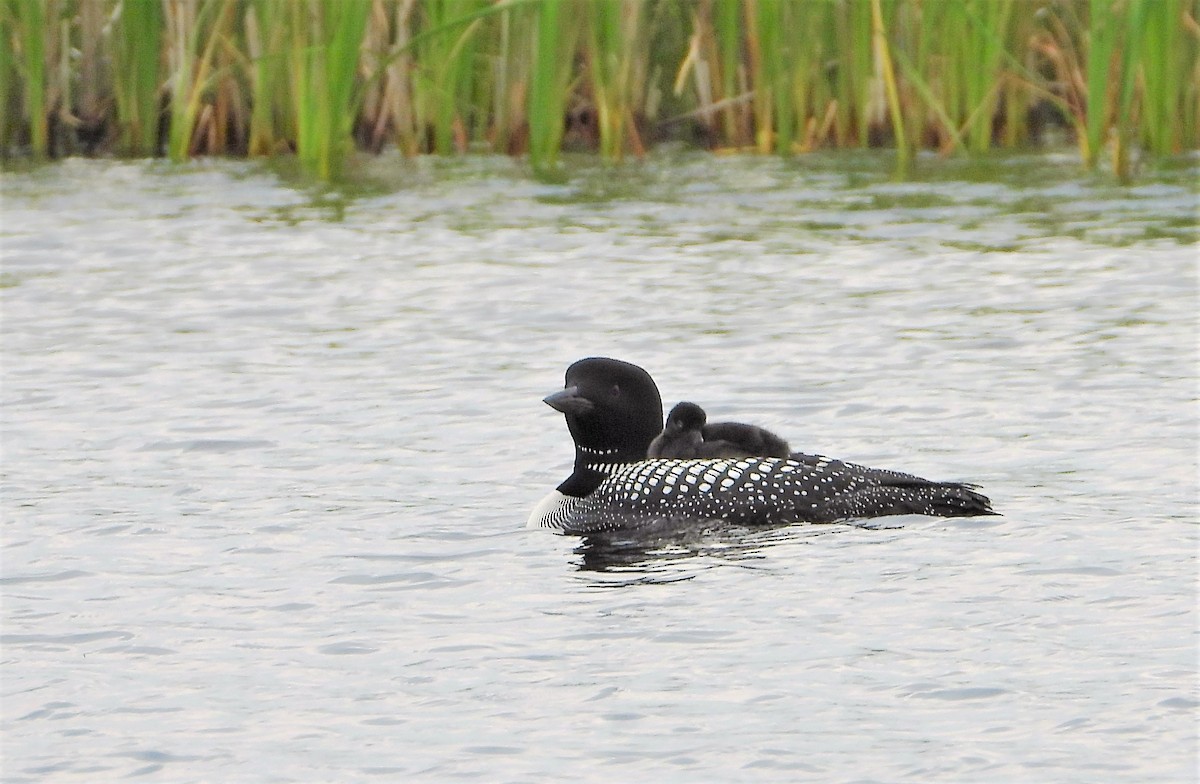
(319, 78)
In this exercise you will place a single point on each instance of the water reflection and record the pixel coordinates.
(636, 558)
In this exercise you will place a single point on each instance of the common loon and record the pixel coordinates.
(687, 434)
(614, 411)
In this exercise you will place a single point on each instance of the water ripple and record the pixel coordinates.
(268, 453)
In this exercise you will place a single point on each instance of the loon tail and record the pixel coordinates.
(956, 499)
(941, 499)
(904, 496)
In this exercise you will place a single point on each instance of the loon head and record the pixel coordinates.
(613, 410)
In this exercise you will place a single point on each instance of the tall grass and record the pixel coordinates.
(978, 27)
(136, 49)
(326, 37)
(272, 119)
(200, 32)
(556, 28)
(321, 78)
(8, 72)
(726, 69)
(1102, 44)
(764, 18)
(883, 56)
(450, 70)
(28, 27)
(616, 64)
(854, 42)
(1165, 74)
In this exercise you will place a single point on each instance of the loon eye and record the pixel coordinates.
(615, 391)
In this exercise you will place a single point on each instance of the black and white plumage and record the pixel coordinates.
(688, 434)
(613, 411)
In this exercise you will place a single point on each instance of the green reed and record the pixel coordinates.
(883, 56)
(854, 42)
(137, 46)
(454, 72)
(325, 40)
(557, 30)
(511, 73)
(984, 35)
(617, 62)
(809, 92)
(27, 28)
(762, 43)
(195, 110)
(1126, 88)
(1102, 44)
(1168, 70)
(956, 67)
(265, 33)
(9, 94)
(1165, 73)
(726, 30)
(449, 72)
(526, 77)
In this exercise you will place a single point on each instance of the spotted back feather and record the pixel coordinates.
(751, 491)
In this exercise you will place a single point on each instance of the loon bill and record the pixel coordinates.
(614, 413)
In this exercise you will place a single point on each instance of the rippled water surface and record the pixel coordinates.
(268, 452)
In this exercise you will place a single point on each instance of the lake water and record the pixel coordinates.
(268, 453)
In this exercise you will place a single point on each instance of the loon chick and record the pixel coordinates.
(687, 434)
(613, 411)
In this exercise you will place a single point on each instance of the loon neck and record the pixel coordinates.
(589, 468)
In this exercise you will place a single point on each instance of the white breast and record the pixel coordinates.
(543, 515)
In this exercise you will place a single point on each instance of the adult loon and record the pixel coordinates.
(688, 434)
(614, 412)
